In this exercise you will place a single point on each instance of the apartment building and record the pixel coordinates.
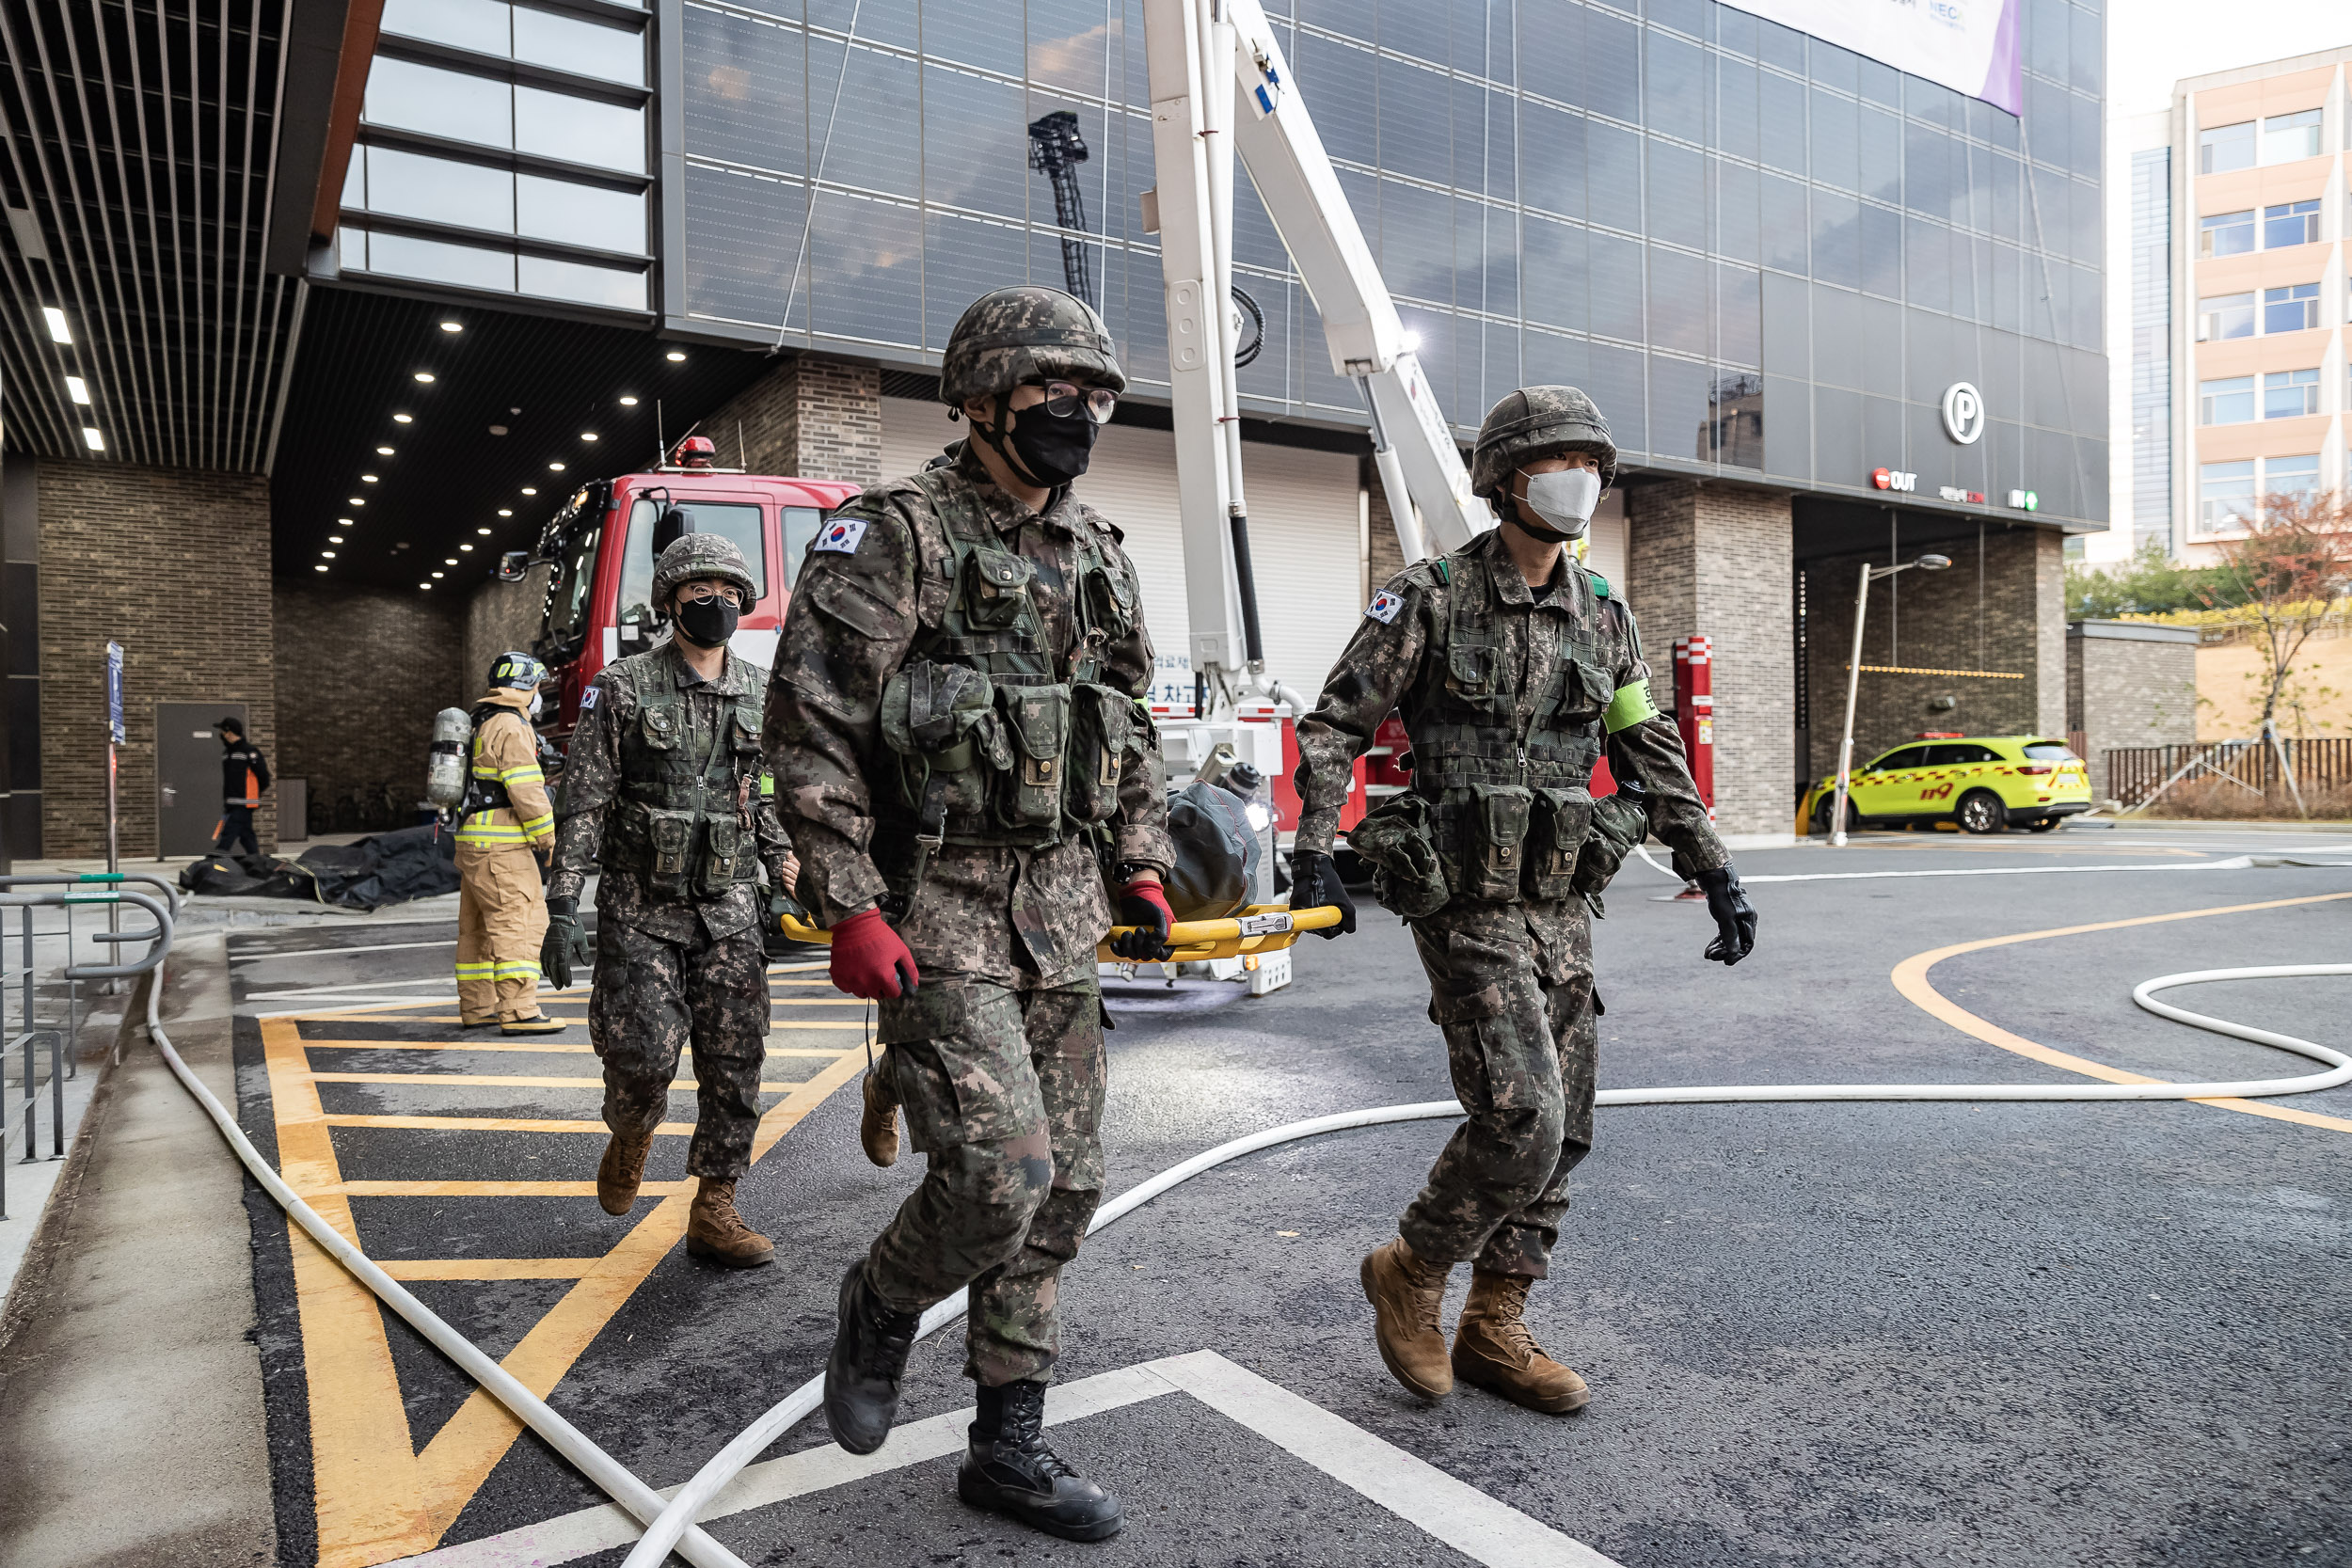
(2239, 378)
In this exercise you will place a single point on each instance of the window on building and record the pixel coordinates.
(2225, 316)
(2225, 496)
(2225, 148)
(2293, 309)
(2228, 400)
(2289, 394)
(2287, 137)
(2226, 233)
(2291, 478)
(2297, 223)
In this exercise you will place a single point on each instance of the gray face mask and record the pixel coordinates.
(1565, 499)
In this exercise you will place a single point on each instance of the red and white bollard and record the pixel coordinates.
(1694, 711)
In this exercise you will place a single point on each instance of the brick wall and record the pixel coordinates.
(1386, 556)
(2129, 684)
(2011, 622)
(173, 564)
(813, 418)
(501, 617)
(1714, 557)
(361, 672)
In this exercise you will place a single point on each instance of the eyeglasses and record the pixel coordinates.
(1063, 401)
(703, 592)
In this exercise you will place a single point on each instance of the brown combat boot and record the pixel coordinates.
(716, 1232)
(619, 1172)
(1405, 1293)
(878, 1128)
(1493, 1349)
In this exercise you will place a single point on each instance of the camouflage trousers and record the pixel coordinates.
(651, 999)
(1003, 1091)
(1512, 989)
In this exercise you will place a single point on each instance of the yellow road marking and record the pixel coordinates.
(493, 1124)
(489, 1082)
(1911, 980)
(377, 1497)
(487, 1268)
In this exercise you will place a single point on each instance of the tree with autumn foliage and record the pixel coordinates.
(2285, 573)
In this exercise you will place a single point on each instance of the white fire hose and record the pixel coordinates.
(670, 1523)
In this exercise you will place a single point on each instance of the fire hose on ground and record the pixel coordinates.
(670, 1521)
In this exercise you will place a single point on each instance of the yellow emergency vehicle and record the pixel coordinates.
(1983, 783)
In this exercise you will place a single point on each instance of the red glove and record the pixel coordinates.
(1144, 906)
(870, 960)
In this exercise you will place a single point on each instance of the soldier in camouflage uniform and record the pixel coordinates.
(956, 726)
(1509, 663)
(663, 788)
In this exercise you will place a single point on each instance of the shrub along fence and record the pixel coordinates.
(2234, 778)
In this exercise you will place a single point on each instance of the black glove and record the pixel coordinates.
(564, 945)
(1144, 906)
(1316, 885)
(1735, 917)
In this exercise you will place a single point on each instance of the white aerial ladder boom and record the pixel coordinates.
(1220, 85)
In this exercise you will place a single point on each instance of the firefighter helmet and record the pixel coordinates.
(518, 671)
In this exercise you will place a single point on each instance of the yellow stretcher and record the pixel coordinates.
(1258, 929)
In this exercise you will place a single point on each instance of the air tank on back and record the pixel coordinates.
(445, 774)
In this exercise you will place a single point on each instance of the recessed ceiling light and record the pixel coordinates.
(92, 439)
(531, 489)
(677, 357)
(556, 467)
(504, 512)
(318, 568)
(629, 403)
(334, 538)
(436, 575)
(465, 547)
(57, 328)
(428, 587)
(327, 555)
(450, 561)
(367, 479)
(402, 418)
(483, 531)
(497, 430)
(355, 500)
(452, 326)
(425, 377)
(78, 389)
(383, 452)
(345, 522)
(587, 434)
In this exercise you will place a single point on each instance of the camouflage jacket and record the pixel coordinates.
(1389, 665)
(594, 778)
(858, 614)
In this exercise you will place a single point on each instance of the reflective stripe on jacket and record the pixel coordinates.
(506, 750)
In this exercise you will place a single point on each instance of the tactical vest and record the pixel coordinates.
(992, 743)
(683, 816)
(1504, 769)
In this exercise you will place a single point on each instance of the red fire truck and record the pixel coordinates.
(599, 550)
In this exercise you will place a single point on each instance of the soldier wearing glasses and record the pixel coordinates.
(664, 790)
(956, 730)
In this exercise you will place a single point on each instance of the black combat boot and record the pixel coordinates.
(1010, 1470)
(870, 1356)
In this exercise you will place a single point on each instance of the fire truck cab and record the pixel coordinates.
(599, 552)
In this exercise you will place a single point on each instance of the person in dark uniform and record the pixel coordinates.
(244, 774)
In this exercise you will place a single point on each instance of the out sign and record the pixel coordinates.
(1964, 413)
(1894, 478)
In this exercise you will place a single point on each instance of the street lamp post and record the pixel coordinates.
(1853, 682)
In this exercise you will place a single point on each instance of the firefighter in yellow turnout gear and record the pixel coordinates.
(505, 825)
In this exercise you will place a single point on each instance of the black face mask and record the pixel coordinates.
(707, 623)
(1051, 451)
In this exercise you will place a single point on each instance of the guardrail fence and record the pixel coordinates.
(2244, 772)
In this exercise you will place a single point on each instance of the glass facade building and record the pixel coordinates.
(2152, 348)
(1763, 254)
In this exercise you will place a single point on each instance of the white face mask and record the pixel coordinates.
(537, 702)
(1565, 499)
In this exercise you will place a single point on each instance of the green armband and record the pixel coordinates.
(767, 786)
(1628, 708)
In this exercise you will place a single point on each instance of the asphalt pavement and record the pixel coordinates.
(1904, 1333)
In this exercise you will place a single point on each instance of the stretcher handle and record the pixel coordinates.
(1258, 920)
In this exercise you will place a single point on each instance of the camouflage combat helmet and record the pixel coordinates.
(1538, 421)
(701, 555)
(1028, 333)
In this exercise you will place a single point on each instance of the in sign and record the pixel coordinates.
(1964, 413)
(2025, 500)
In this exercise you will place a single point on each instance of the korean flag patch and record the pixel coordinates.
(841, 535)
(588, 698)
(1384, 607)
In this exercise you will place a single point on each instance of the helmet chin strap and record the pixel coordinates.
(1536, 528)
(996, 438)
